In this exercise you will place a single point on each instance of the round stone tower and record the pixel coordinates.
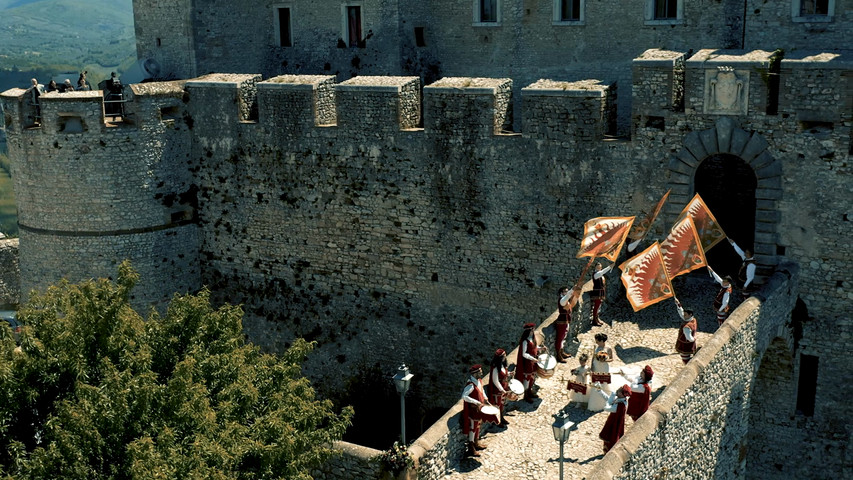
(92, 192)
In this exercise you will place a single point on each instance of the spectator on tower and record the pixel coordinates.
(52, 87)
(82, 84)
(66, 86)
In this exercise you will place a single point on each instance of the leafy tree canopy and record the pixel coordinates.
(95, 392)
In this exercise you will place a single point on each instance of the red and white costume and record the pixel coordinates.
(686, 343)
(528, 356)
(746, 274)
(721, 301)
(473, 398)
(614, 427)
(564, 317)
(599, 291)
(497, 386)
(641, 394)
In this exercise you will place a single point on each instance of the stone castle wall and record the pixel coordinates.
(10, 273)
(387, 242)
(526, 44)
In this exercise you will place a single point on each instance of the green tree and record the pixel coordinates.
(96, 392)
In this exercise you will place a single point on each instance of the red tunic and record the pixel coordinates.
(524, 367)
(639, 401)
(718, 300)
(470, 410)
(614, 427)
(682, 345)
(496, 398)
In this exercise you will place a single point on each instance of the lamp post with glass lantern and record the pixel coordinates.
(561, 427)
(402, 379)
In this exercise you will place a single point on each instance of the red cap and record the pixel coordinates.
(500, 352)
(626, 390)
(529, 326)
(474, 368)
(648, 371)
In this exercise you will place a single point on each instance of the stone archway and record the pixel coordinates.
(724, 141)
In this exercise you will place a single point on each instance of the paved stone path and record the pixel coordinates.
(526, 449)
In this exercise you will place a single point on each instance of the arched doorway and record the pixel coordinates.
(727, 185)
(715, 163)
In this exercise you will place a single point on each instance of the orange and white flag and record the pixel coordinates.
(640, 229)
(645, 278)
(604, 237)
(709, 230)
(682, 250)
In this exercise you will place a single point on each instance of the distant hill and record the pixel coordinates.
(40, 38)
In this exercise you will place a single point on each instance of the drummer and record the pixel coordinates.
(473, 401)
(525, 370)
(498, 383)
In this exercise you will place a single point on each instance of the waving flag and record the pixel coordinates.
(645, 278)
(639, 230)
(682, 251)
(604, 237)
(709, 230)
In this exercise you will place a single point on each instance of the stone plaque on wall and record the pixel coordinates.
(726, 91)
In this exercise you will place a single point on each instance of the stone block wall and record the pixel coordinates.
(658, 83)
(164, 32)
(297, 103)
(465, 107)
(574, 112)
(819, 97)
(699, 426)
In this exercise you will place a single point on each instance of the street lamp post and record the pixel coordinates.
(561, 428)
(402, 379)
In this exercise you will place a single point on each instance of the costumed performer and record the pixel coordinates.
(581, 374)
(525, 370)
(614, 427)
(721, 301)
(601, 358)
(746, 274)
(473, 400)
(641, 393)
(565, 304)
(599, 291)
(685, 345)
(498, 382)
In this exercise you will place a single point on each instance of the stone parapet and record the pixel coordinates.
(297, 102)
(467, 107)
(657, 85)
(575, 112)
(378, 103)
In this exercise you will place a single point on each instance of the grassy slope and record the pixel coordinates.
(39, 38)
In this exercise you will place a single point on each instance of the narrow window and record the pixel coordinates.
(570, 10)
(419, 37)
(283, 24)
(159, 43)
(488, 11)
(807, 386)
(666, 9)
(814, 7)
(353, 26)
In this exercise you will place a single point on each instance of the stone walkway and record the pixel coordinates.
(526, 449)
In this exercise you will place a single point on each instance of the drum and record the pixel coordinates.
(516, 389)
(491, 414)
(546, 366)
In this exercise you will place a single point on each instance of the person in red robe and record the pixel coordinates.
(473, 400)
(641, 393)
(565, 304)
(599, 291)
(525, 363)
(498, 382)
(614, 427)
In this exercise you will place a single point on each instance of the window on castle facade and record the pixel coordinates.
(282, 27)
(568, 11)
(353, 25)
(812, 10)
(807, 385)
(487, 12)
(664, 12)
(666, 9)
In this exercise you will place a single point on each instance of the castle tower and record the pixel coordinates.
(93, 193)
(164, 32)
